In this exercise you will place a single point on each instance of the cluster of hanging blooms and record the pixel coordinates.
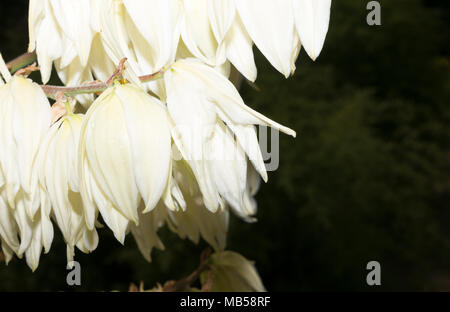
(165, 139)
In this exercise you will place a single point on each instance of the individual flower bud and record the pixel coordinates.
(58, 175)
(231, 272)
(124, 156)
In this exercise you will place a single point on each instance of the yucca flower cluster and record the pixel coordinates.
(179, 149)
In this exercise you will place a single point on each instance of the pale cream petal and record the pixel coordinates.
(312, 18)
(221, 16)
(197, 33)
(271, 26)
(228, 166)
(145, 234)
(239, 49)
(149, 136)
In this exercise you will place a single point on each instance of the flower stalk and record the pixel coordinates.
(91, 87)
(26, 60)
(21, 61)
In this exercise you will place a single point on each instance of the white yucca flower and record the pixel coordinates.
(124, 156)
(25, 120)
(63, 36)
(58, 175)
(25, 225)
(84, 38)
(200, 101)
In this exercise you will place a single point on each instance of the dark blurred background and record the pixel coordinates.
(367, 177)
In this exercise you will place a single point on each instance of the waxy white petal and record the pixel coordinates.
(197, 33)
(156, 22)
(221, 16)
(8, 227)
(220, 91)
(146, 233)
(312, 18)
(74, 18)
(109, 155)
(227, 164)
(149, 134)
(271, 26)
(239, 49)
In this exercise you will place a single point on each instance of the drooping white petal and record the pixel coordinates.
(110, 157)
(146, 233)
(312, 18)
(33, 252)
(194, 118)
(35, 17)
(8, 227)
(46, 224)
(31, 121)
(239, 49)
(222, 93)
(197, 33)
(173, 198)
(227, 164)
(24, 224)
(74, 18)
(115, 38)
(248, 140)
(149, 135)
(93, 198)
(271, 26)
(196, 220)
(48, 44)
(8, 162)
(155, 20)
(221, 16)
(102, 67)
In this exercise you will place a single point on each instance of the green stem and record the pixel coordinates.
(21, 61)
(95, 87)
(27, 59)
